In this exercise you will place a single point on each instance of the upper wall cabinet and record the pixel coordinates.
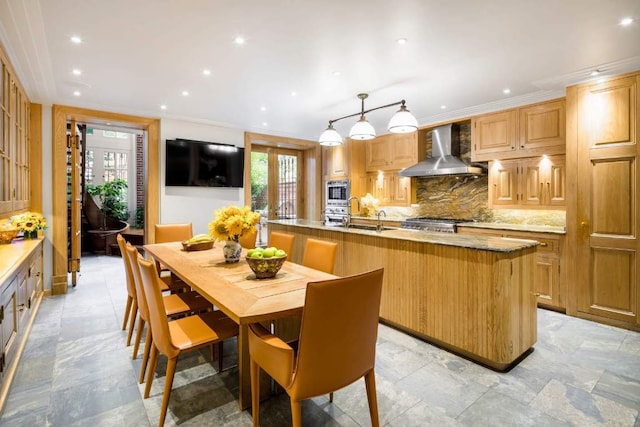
(345, 161)
(392, 152)
(530, 131)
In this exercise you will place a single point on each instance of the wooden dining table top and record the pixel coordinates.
(233, 287)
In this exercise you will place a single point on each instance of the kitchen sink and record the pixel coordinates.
(369, 227)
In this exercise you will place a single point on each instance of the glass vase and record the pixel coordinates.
(232, 250)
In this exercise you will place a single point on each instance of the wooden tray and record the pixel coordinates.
(199, 246)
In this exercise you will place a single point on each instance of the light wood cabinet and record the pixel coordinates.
(602, 214)
(390, 189)
(393, 151)
(346, 161)
(534, 130)
(532, 183)
(549, 287)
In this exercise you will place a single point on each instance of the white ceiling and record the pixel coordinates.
(139, 54)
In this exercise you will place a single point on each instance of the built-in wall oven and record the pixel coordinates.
(336, 204)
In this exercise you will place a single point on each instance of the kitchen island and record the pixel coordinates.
(470, 294)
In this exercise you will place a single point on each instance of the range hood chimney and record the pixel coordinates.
(443, 161)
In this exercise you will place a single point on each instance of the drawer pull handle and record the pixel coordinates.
(537, 294)
(544, 244)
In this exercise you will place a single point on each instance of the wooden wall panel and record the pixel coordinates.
(612, 200)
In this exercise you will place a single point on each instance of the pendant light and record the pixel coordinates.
(401, 122)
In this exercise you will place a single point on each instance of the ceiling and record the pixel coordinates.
(138, 55)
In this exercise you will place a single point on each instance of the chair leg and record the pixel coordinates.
(254, 371)
(134, 314)
(145, 355)
(296, 413)
(127, 311)
(151, 370)
(168, 382)
(370, 383)
(136, 344)
(331, 397)
(220, 349)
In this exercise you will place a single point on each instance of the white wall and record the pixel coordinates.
(195, 204)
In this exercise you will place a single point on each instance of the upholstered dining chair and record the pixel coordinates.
(320, 255)
(337, 344)
(248, 240)
(282, 241)
(177, 232)
(173, 338)
(175, 305)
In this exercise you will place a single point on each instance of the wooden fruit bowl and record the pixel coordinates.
(198, 246)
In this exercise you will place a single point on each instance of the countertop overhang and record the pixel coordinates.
(484, 243)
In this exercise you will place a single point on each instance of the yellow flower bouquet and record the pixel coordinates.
(29, 223)
(232, 222)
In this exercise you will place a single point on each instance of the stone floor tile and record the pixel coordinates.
(621, 389)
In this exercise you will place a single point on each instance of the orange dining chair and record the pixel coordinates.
(182, 304)
(164, 233)
(320, 255)
(173, 338)
(131, 291)
(337, 344)
(248, 240)
(282, 241)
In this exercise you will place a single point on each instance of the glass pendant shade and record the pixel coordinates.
(362, 130)
(330, 137)
(403, 122)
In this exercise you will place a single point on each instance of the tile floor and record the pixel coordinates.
(76, 371)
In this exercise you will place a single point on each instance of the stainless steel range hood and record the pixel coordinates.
(443, 161)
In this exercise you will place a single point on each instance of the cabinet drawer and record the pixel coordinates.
(548, 245)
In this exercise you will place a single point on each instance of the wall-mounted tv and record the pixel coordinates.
(203, 164)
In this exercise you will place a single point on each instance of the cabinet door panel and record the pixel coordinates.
(542, 125)
(404, 150)
(378, 153)
(547, 280)
(503, 189)
(493, 133)
(402, 190)
(613, 113)
(532, 193)
(556, 186)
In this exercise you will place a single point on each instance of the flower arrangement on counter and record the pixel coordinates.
(369, 205)
(231, 222)
(29, 223)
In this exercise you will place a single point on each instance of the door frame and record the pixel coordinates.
(60, 115)
(312, 158)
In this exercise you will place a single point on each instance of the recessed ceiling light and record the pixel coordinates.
(76, 93)
(265, 124)
(76, 72)
(163, 107)
(602, 80)
(595, 72)
(294, 93)
(76, 39)
(108, 123)
(443, 107)
(239, 40)
(206, 72)
(626, 22)
(185, 93)
(401, 41)
(506, 91)
(263, 108)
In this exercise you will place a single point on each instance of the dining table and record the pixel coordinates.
(234, 289)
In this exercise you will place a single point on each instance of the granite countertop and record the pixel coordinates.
(495, 244)
(516, 227)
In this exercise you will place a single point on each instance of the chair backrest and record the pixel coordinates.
(338, 333)
(248, 239)
(131, 290)
(320, 255)
(282, 241)
(157, 316)
(132, 254)
(173, 232)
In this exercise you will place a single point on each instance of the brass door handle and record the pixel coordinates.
(536, 294)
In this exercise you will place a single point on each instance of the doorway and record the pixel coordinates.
(276, 183)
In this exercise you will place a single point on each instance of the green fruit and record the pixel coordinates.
(257, 255)
(269, 252)
(250, 252)
(280, 253)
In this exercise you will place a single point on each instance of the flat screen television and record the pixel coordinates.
(203, 164)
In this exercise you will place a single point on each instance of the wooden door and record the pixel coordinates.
(493, 133)
(542, 127)
(75, 201)
(607, 199)
(503, 186)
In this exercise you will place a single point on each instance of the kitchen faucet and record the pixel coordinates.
(379, 226)
(348, 221)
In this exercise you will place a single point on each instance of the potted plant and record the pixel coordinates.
(112, 200)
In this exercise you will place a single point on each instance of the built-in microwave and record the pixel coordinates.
(338, 193)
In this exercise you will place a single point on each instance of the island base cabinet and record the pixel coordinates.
(478, 303)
